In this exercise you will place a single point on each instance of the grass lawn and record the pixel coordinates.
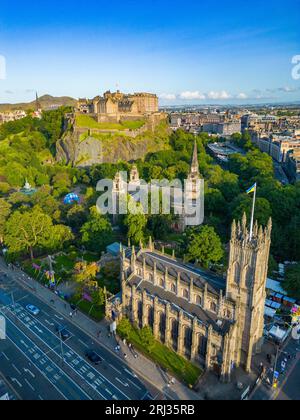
(184, 370)
(85, 121)
(97, 313)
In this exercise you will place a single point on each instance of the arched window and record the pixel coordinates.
(248, 276)
(151, 278)
(173, 288)
(174, 329)
(162, 324)
(213, 306)
(162, 283)
(237, 273)
(150, 316)
(185, 293)
(140, 313)
(188, 334)
(198, 300)
(227, 314)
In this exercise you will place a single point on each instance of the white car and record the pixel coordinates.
(33, 310)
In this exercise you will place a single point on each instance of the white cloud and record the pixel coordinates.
(242, 96)
(222, 95)
(192, 95)
(168, 96)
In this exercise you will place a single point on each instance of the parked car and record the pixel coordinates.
(33, 310)
(93, 357)
(63, 332)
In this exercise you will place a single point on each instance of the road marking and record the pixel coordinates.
(40, 398)
(59, 317)
(29, 384)
(17, 382)
(77, 372)
(16, 369)
(84, 368)
(49, 323)
(37, 328)
(130, 373)
(83, 343)
(119, 380)
(79, 327)
(7, 358)
(29, 372)
(24, 344)
(115, 369)
(43, 374)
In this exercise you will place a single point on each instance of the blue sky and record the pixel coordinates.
(187, 52)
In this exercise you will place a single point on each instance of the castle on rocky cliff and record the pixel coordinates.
(117, 106)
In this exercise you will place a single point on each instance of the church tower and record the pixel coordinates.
(134, 175)
(246, 286)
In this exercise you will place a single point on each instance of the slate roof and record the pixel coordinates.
(200, 277)
(192, 310)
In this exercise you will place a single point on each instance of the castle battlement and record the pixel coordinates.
(117, 105)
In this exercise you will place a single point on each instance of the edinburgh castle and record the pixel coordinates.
(114, 107)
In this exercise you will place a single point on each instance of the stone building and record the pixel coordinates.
(211, 321)
(116, 106)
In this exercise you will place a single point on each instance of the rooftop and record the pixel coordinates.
(191, 310)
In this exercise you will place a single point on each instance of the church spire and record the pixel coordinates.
(195, 162)
(37, 102)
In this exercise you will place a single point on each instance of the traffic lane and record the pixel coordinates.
(23, 376)
(95, 379)
(116, 371)
(291, 389)
(64, 385)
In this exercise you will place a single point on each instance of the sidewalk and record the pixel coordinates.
(288, 358)
(142, 366)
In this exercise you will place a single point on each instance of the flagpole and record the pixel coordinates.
(252, 214)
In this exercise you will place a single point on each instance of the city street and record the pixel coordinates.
(289, 377)
(39, 365)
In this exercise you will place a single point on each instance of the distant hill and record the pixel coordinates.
(47, 102)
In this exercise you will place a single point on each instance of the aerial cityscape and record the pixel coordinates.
(150, 204)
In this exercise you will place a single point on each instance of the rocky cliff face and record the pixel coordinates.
(83, 148)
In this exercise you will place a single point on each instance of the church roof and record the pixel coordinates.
(188, 272)
(192, 310)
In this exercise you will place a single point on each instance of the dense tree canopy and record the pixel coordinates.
(204, 246)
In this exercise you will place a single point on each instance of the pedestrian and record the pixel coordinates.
(71, 314)
(99, 334)
(125, 356)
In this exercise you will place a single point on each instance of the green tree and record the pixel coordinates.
(33, 229)
(5, 210)
(292, 281)
(96, 233)
(125, 328)
(135, 225)
(204, 246)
